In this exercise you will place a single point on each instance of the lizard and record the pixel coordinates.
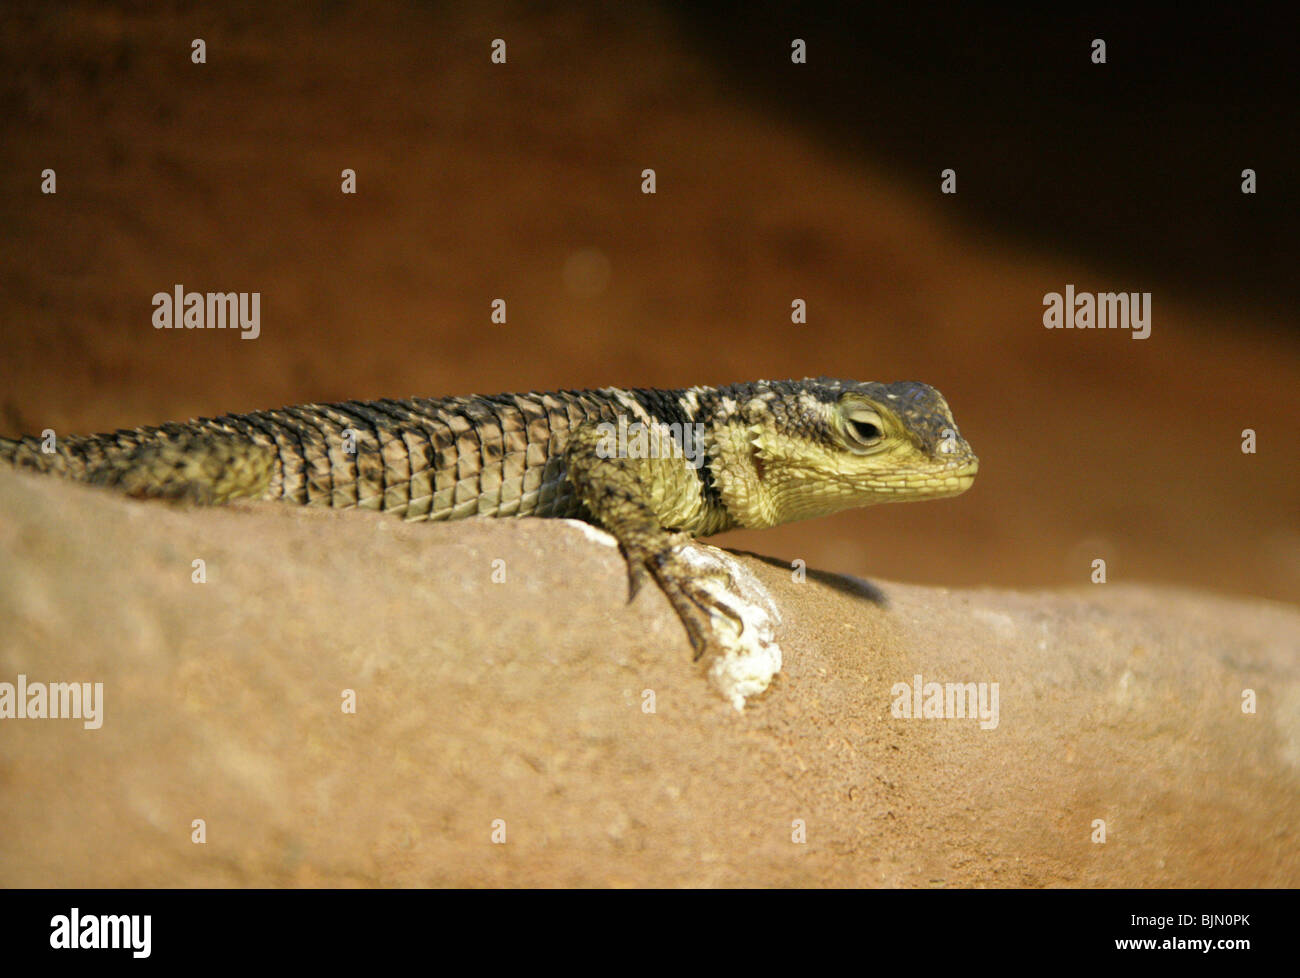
(654, 468)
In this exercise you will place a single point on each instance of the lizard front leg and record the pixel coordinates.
(643, 502)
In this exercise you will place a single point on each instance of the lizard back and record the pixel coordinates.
(418, 458)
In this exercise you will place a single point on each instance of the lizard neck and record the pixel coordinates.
(738, 474)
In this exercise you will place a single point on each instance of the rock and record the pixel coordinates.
(503, 685)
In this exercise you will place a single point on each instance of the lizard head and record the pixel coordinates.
(818, 446)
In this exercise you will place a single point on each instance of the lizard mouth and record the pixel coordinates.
(947, 478)
(957, 477)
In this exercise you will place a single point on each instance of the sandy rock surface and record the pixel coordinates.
(525, 700)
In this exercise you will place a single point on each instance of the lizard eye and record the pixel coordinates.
(864, 427)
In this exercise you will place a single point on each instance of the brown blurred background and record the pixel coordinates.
(775, 181)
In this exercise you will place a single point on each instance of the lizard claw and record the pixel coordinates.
(636, 576)
(711, 624)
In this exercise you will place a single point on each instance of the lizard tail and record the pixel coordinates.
(198, 467)
(26, 453)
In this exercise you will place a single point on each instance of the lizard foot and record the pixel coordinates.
(729, 616)
(697, 590)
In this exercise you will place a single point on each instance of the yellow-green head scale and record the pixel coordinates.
(790, 450)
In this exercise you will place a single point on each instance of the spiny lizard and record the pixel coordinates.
(653, 467)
